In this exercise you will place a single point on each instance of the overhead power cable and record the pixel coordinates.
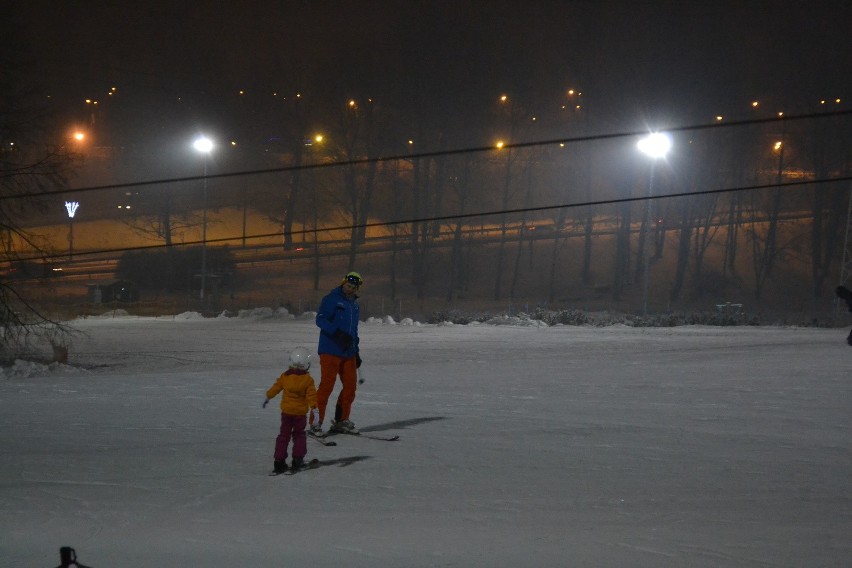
(456, 217)
(432, 154)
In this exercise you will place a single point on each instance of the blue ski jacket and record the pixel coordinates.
(338, 315)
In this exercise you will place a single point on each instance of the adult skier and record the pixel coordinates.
(339, 353)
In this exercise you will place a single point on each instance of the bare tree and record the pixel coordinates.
(698, 228)
(34, 159)
(514, 118)
(621, 269)
(163, 216)
(524, 230)
(765, 210)
(826, 152)
(420, 234)
(460, 184)
(356, 144)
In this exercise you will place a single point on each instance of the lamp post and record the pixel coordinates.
(654, 146)
(71, 208)
(204, 145)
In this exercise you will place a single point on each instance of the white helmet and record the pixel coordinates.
(300, 358)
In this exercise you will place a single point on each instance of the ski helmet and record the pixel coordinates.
(300, 358)
(353, 278)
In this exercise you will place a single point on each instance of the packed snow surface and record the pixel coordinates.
(520, 446)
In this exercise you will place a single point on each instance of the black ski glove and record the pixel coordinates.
(343, 339)
(357, 360)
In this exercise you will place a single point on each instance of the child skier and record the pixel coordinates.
(298, 395)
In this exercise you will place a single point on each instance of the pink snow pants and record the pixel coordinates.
(291, 427)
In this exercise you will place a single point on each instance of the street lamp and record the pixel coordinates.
(655, 146)
(71, 208)
(204, 145)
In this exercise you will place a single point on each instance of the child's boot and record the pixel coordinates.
(298, 463)
(280, 466)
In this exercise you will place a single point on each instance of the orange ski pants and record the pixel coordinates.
(331, 366)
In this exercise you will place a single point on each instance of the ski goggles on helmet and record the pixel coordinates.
(353, 278)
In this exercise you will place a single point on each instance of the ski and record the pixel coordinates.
(322, 439)
(362, 435)
(314, 463)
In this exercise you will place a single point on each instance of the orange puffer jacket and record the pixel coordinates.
(299, 394)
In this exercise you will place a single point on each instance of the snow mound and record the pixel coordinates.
(189, 316)
(21, 369)
(117, 313)
(265, 313)
(514, 320)
(387, 320)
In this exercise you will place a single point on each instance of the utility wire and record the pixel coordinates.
(437, 153)
(458, 216)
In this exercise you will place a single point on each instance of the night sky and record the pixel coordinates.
(636, 62)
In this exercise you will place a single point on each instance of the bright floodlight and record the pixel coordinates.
(203, 144)
(655, 145)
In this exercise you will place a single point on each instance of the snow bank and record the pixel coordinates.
(21, 369)
(265, 313)
(515, 320)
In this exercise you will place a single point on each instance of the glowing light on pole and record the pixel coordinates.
(204, 145)
(655, 146)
